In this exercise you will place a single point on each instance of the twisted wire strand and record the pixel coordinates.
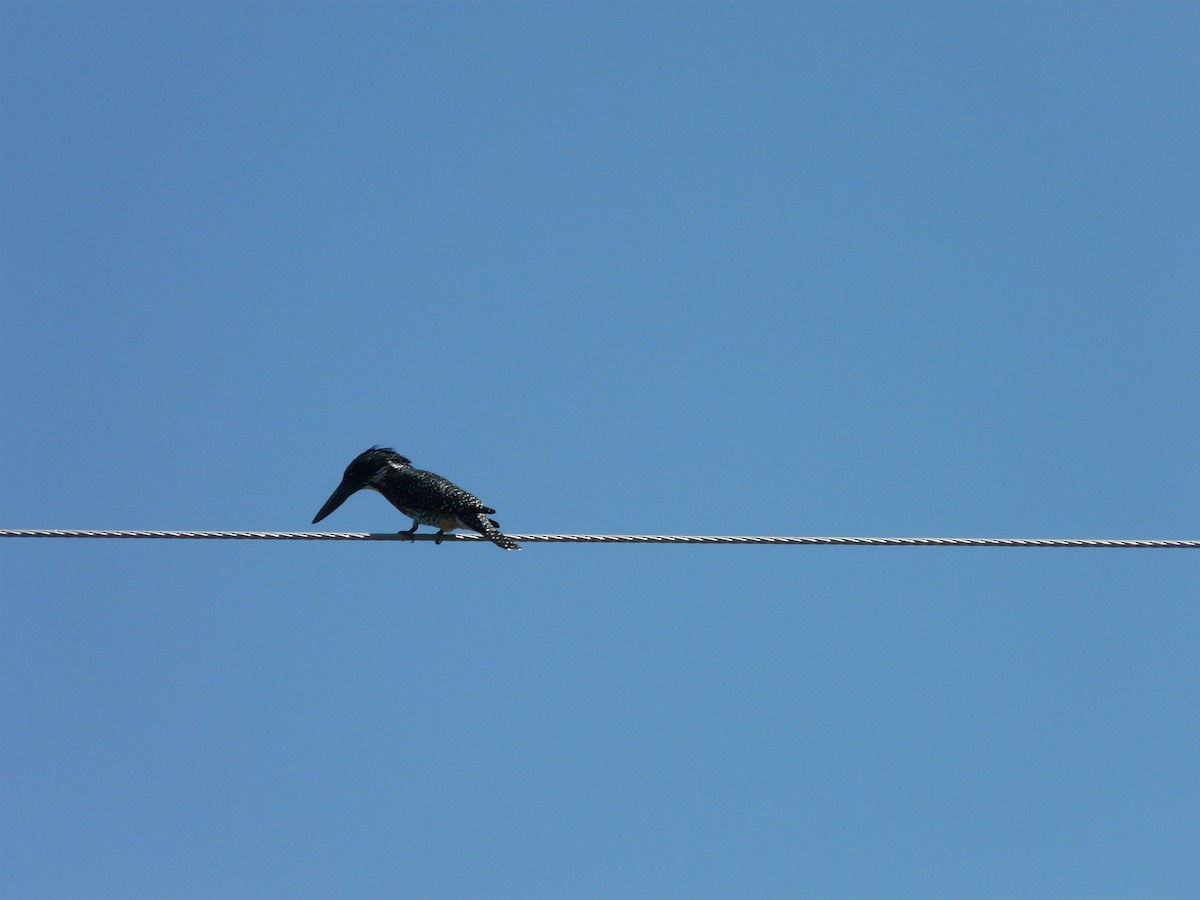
(607, 539)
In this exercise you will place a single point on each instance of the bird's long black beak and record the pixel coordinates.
(336, 499)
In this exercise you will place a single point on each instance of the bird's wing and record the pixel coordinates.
(432, 491)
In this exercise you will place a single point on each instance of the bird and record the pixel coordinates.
(425, 497)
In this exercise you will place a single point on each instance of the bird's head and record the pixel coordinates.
(364, 471)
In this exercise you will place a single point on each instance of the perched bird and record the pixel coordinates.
(426, 498)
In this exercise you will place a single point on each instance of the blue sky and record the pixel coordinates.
(912, 270)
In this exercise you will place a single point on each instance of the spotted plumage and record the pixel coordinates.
(425, 497)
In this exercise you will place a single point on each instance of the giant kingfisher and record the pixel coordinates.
(426, 498)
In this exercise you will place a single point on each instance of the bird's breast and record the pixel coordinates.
(424, 517)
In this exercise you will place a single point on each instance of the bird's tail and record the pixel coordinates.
(490, 529)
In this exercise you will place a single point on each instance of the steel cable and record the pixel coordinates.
(608, 539)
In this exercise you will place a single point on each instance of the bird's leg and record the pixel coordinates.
(438, 537)
(410, 531)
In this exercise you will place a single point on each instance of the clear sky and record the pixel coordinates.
(845, 269)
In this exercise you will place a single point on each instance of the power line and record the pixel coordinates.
(609, 539)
